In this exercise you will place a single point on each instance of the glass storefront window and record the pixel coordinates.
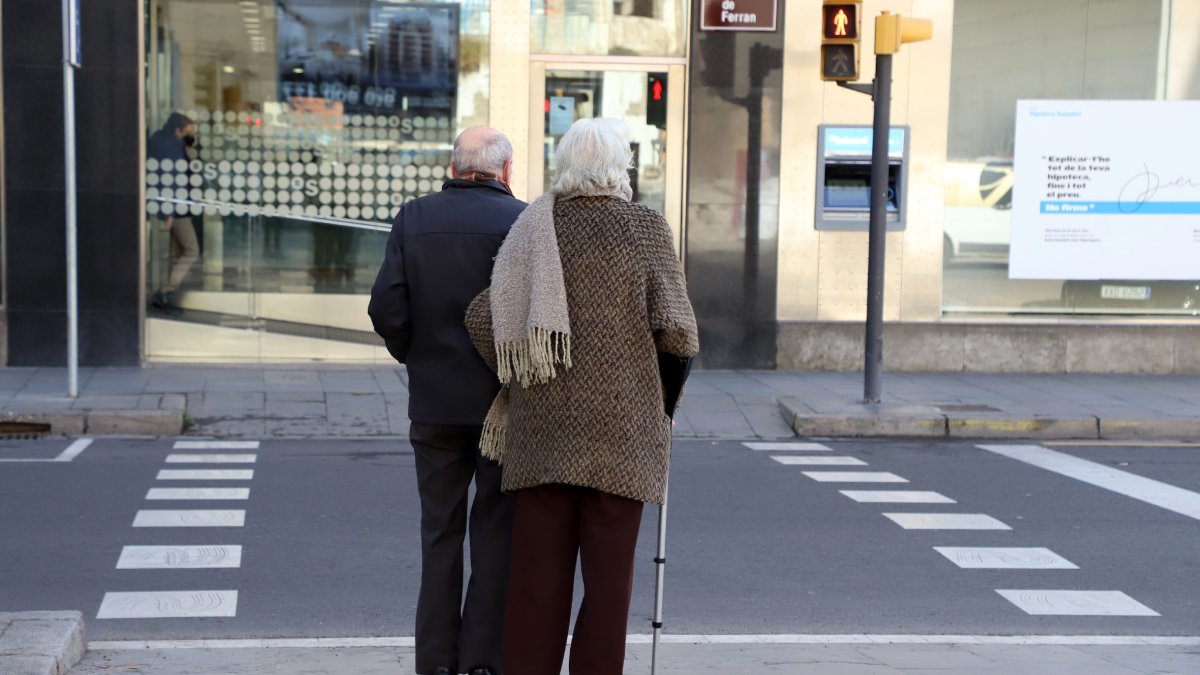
(1025, 49)
(608, 27)
(311, 122)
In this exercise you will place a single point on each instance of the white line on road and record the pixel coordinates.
(73, 450)
(803, 460)
(946, 521)
(1169, 497)
(854, 477)
(206, 474)
(179, 557)
(216, 445)
(638, 638)
(67, 455)
(897, 497)
(987, 558)
(200, 494)
(211, 459)
(1076, 603)
(168, 604)
(190, 518)
(807, 447)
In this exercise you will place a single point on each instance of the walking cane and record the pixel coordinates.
(673, 371)
(660, 564)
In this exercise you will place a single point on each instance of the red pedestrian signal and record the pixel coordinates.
(840, 34)
(656, 100)
(841, 21)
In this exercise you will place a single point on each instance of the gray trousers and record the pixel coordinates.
(178, 247)
(452, 631)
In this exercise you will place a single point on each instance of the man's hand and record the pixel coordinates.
(168, 222)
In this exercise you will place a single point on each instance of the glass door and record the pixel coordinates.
(648, 97)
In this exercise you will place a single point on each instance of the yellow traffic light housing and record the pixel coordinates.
(893, 30)
(841, 31)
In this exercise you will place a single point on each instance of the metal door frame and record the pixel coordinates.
(674, 195)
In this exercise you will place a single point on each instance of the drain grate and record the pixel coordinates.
(967, 408)
(23, 431)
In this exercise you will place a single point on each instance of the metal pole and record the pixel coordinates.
(873, 366)
(660, 565)
(68, 34)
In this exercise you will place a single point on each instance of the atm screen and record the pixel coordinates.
(848, 188)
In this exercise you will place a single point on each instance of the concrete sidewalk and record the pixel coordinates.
(827, 655)
(341, 401)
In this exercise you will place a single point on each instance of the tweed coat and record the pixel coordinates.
(600, 423)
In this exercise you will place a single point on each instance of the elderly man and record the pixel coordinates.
(439, 256)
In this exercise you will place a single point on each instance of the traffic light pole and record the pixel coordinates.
(881, 92)
(877, 246)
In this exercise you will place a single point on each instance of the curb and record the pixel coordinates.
(914, 421)
(40, 643)
(100, 422)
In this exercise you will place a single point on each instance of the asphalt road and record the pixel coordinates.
(330, 541)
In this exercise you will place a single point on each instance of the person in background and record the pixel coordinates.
(439, 256)
(169, 146)
(586, 292)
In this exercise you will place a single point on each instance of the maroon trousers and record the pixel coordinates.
(552, 524)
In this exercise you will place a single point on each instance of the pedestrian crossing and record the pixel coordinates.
(1036, 601)
(172, 603)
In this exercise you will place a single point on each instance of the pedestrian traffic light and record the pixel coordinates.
(656, 100)
(840, 35)
(893, 30)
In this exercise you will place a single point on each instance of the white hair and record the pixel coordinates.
(490, 156)
(594, 159)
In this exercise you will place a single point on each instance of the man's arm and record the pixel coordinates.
(389, 308)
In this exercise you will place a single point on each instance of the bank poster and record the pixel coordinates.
(1106, 190)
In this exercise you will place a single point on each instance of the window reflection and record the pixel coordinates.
(614, 27)
(315, 120)
(1004, 52)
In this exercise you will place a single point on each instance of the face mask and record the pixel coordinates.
(189, 140)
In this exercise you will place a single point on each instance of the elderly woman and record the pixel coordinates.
(585, 291)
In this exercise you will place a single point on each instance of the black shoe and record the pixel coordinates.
(169, 306)
(482, 670)
(443, 670)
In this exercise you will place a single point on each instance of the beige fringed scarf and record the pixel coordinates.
(530, 323)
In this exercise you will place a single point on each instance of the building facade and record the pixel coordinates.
(315, 119)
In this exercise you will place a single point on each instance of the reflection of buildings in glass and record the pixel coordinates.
(418, 48)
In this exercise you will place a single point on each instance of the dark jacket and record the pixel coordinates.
(439, 257)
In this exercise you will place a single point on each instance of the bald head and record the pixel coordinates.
(482, 150)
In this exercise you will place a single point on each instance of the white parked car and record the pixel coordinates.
(978, 215)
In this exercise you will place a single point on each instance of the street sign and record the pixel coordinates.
(738, 15)
(841, 26)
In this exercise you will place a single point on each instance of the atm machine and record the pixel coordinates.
(844, 177)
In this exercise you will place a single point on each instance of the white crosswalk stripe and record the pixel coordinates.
(198, 494)
(854, 477)
(206, 474)
(190, 518)
(168, 604)
(211, 459)
(216, 445)
(802, 460)
(946, 521)
(797, 446)
(1076, 603)
(179, 557)
(897, 497)
(987, 558)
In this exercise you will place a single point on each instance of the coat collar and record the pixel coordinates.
(459, 183)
